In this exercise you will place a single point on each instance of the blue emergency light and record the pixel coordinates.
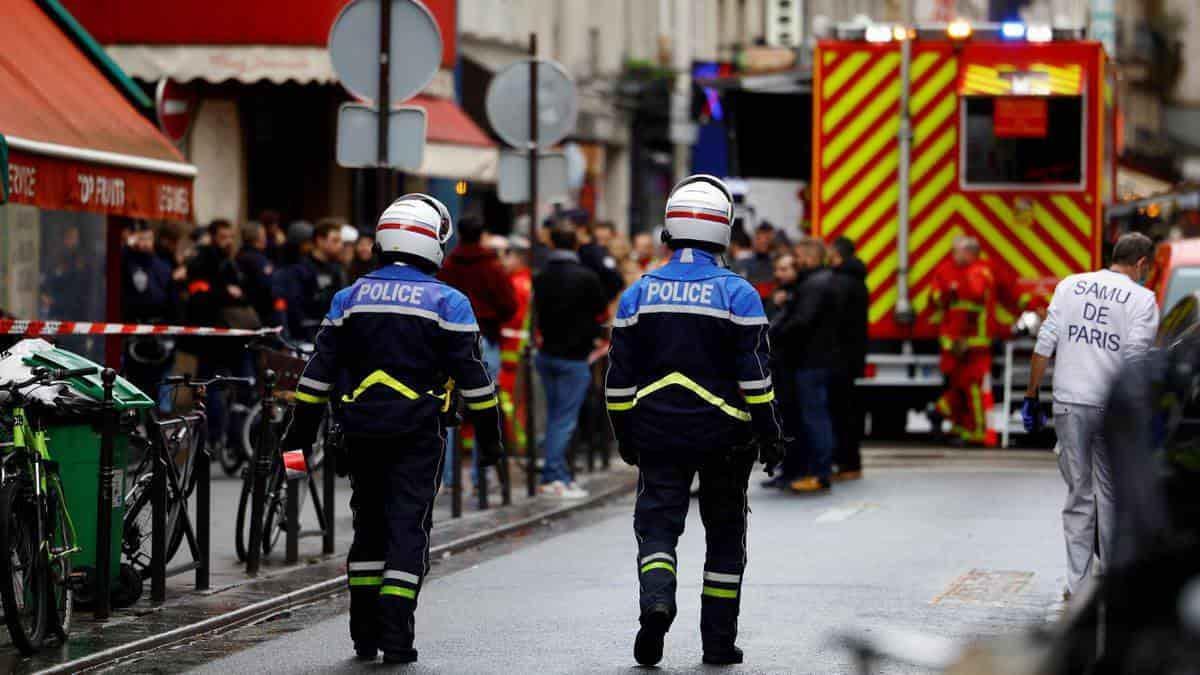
(1012, 30)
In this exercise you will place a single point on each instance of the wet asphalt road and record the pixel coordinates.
(957, 551)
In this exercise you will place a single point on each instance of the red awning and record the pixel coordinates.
(74, 141)
(447, 123)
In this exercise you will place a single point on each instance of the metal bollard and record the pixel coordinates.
(158, 529)
(502, 470)
(329, 482)
(456, 474)
(292, 551)
(531, 478)
(203, 517)
(264, 455)
(481, 490)
(104, 500)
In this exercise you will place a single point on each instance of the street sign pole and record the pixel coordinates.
(530, 435)
(383, 105)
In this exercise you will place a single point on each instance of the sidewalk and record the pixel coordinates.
(235, 599)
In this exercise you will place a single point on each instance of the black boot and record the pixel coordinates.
(723, 657)
(402, 656)
(365, 652)
(648, 648)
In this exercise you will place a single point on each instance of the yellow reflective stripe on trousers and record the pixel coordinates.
(714, 592)
(761, 398)
(309, 398)
(658, 566)
(380, 377)
(623, 405)
(366, 581)
(484, 405)
(398, 591)
(689, 384)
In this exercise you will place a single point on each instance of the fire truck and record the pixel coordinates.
(1004, 132)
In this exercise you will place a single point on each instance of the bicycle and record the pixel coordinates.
(282, 356)
(178, 442)
(275, 517)
(37, 582)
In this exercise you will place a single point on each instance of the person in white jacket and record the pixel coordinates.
(1097, 323)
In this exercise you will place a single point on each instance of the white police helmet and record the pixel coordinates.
(416, 224)
(700, 209)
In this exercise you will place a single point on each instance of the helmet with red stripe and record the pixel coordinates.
(415, 224)
(700, 209)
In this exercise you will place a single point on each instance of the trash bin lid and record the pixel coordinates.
(126, 396)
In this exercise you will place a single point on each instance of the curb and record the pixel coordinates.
(265, 608)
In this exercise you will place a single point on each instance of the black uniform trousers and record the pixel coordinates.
(664, 485)
(395, 482)
(848, 420)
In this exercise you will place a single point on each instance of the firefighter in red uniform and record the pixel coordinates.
(514, 335)
(964, 291)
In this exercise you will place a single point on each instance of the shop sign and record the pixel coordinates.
(60, 184)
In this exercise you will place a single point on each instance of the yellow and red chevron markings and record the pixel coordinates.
(856, 170)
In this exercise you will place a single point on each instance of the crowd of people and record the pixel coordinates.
(265, 274)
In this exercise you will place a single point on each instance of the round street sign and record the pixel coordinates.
(415, 52)
(175, 107)
(507, 104)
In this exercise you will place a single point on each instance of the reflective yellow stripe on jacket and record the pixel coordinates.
(691, 385)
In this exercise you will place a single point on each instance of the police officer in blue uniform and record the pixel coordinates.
(689, 391)
(385, 350)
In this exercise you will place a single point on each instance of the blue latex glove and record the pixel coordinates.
(1032, 416)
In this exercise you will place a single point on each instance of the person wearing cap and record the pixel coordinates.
(385, 349)
(689, 390)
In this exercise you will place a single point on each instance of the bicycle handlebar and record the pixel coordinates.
(215, 381)
(42, 375)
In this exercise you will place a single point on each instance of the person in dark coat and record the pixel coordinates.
(598, 259)
(215, 296)
(569, 302)
(257, 270)
(475, 270)
(148, 295)
(805, 341)
(308, 286)
(853, 298)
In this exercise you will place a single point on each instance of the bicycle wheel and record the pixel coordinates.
(23, 591)
(137, 528)
(275, 522)
(231, 456)
(241, 531)
(62, 597)
(250, 432)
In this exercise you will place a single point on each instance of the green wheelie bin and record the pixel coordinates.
(74, 443)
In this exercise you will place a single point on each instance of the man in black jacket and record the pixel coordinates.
(805, 340)
(598, 259)
(850, 285)
(569, 301)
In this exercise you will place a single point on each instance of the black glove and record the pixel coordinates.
(628, 453)
(490, 452)
(771, 452)
(336, 451)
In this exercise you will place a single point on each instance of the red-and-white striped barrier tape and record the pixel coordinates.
(30, 328)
